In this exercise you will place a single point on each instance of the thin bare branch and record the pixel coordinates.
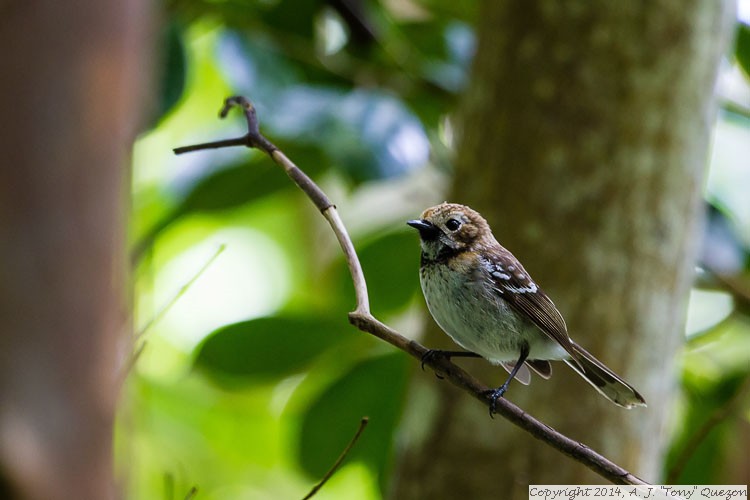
(191, 494)
(362, 424)
(226, 143)
(138, 339)
(184, 288)
(365, 321)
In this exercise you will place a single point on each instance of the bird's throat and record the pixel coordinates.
(443, 255)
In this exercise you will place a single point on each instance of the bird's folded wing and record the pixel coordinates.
(515, 286)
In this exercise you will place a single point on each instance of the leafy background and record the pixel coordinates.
(250, 380)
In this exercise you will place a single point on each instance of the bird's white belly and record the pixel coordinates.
(480, 321)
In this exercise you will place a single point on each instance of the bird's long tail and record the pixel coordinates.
(604, 380)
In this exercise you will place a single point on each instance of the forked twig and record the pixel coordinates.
(365, 321)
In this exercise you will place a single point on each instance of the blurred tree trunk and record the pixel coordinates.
(70, 92)
(584, 142)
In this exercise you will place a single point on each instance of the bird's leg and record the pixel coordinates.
(496, 394)
(432, 354)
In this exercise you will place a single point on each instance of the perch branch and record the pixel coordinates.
(365, 321)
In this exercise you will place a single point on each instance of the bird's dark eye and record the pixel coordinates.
(452, 224)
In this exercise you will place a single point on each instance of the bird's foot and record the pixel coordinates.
(433, 354)
(494, 395)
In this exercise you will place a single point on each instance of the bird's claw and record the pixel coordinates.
(494, 395)
(429, 356)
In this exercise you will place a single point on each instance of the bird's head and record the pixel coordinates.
(450, 228)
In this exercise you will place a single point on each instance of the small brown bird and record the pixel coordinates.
(481, 296)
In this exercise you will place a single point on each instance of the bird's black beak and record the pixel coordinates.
(427, 230)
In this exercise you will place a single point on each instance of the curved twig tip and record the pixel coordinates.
(236, 100)
(253, 138)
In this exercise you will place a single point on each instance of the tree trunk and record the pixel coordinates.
(584, 143)
(70, 92)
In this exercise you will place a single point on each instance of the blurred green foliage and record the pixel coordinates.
(254, 382)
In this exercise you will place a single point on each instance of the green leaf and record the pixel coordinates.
(374, 388)
(267, 348)
(391, 266)
(233, 186)
(742, 48)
